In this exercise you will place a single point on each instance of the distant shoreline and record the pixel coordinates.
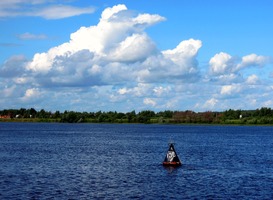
(36, 120)
(262, 116)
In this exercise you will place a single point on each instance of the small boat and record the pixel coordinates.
(171, 158)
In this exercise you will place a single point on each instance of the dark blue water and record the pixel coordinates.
(93, 161)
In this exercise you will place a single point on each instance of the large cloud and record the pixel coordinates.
(114, 51)
(115, 65)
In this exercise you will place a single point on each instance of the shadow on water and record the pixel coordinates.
(171, 169)
(183, 167)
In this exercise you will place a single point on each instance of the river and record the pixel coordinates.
(124, 161)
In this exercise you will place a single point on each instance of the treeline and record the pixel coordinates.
(76, 117)
(259, 116)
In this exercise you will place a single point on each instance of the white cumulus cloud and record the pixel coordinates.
(223, 63)
(31, 93)
(116, 65)
(230, 89)
(115, 50)
(149, 101)
(253, 79)
(160, 90)
(253, 60)
(184, 55)
(210, 103)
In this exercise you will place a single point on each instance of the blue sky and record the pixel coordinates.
(136, 55)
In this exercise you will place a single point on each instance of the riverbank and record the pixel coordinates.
(263, 116)
(151, 121)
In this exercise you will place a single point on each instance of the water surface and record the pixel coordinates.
(114, 161)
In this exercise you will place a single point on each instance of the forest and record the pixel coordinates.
(263, 115)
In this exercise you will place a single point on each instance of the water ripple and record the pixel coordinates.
(95, 161)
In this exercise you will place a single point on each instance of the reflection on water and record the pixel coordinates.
(86, 161)
(171, 169)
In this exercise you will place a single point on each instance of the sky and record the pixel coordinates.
(140, 55)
